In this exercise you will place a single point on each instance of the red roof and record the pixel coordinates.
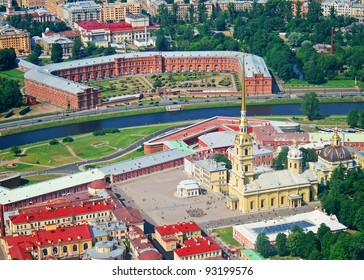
(151, 254)
(90, 25)
(98, 184)
(197, 246)
(177, 228)
(43, 237)
(59, 213)
(17, 252)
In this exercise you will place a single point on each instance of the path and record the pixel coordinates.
(71, 151)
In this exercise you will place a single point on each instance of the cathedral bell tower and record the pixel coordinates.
(243, 161)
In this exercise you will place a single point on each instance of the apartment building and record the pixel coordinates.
(17, 39)
(118, 11)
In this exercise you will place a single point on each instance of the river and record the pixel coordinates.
(122, 122)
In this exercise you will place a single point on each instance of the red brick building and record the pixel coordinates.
(61, 83)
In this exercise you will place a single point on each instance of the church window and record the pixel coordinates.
(262, 203)
(295, 165)
(246, 167)
(246, 152)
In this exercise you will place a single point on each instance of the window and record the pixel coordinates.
(251, 205)
(65, 249)
(45, 252)
(246, 151)
(272, 201)
(262, 203)
(282, 200)
(55, 250)
(85, 246)
(246, 167)
(74, 248)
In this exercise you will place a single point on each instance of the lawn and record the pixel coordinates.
(52, 155)
(13, 74)
(89, 146)
(330, 83)
(226, 235)
(330, 120)
(120, 86)
(23, 168)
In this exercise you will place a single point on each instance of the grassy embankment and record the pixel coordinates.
(42, 155)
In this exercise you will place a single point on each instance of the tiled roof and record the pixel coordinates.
(177, 228)
(59, 213)
(44, 237)
(197, 246)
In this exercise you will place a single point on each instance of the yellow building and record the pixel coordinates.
(211, 174)
(32, 3)
(56, 243)
(285, 188)
(118, 11)
(17, 39)
(52, 5)
(331, 157)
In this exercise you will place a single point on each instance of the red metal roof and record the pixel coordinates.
(44, 237)
(90, 25)
(59, 213)
(197, 246)
(20, 253)
(151, 254)
(177, 228)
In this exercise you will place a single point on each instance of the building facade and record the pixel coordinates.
(47, 41)
(211, 174)
(80, 11)
(16, 39)
(118, 11)
(61, 83)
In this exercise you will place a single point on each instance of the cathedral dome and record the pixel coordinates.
(294, 153)
(335, 154)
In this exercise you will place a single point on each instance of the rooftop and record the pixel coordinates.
(177, 228)
(195, 246)
(310, 221)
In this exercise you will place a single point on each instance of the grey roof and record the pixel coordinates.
(211, 165)
(281, 179)
(144, 161)
(8, 196)
(102, 229)
(254, 64)
(25, 64)
(115, 251)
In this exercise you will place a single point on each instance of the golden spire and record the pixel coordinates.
(335, 139)
(243, 127)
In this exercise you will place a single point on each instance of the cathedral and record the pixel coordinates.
(285, 188)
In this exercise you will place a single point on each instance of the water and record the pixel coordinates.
(122, 122)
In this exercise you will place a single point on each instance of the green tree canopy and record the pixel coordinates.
(352, 118)
(310, 107)
(281, 244)
(57, 53)
(263, 245)
(221, 158)
(10, 95)
(7, 59)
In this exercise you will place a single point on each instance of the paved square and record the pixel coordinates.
(154, 195)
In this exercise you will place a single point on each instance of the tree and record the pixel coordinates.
(322, 230)
(37, 50)
(281, 161)
(310, 106)
(7, 59)
(16, 150)
(263, 245)
(77, 44)
(109, 51)
(359, 219)
(33, 59)
(10, 95)
(296, 243)
(281, 244)
(361, 118)
(313, 73)
(221, 158)
(352, 118)
(161, 43)
(57, 53)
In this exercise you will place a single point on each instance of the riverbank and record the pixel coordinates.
(141, 111)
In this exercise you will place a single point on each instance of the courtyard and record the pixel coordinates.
(155, 196)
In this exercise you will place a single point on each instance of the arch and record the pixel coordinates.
(45, 252)
(85, 246)
(182, 68)
(151, 70)
(199, 68)
(75, 248)
(65, 249)
(216, 68)
(173, 68)
(246, 152)
(207, 68)
(55, 250)
(190, 68)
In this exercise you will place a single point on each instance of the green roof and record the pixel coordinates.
(252, 255)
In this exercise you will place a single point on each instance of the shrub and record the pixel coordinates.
(53, 142)
(67, 139)
(98, 133)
